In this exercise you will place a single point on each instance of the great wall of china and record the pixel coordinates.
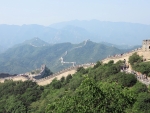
(144, 52)
(48, 79)
(139, 51)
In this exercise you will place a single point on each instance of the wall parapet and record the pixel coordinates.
(65, 70)
(118, 56)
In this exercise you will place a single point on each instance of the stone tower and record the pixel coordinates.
(146, 45)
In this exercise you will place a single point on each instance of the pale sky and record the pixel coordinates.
(46, 12)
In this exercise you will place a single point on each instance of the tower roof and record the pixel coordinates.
(147, 40)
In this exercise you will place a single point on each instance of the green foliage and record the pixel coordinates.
(126, 80)
(16, 97)
(110, 62)
(93, 98)
(143, 67)
(118, 98)
(142, 105)
(103, 72)
(82, 70)
(101, 89)
(75, 83)
(137, 64)
(62, 79)
(135, 59)
(97, 64)
(68, 78)
(139, 88)
(25, 57)
(13, 105)
(56, 84)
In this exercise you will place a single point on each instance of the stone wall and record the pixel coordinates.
(72, 70)
(62, 73)
(39, 75)
(124, 56)
(15, 78)
(48, 79)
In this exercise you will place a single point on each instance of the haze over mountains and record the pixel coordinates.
(75, 32)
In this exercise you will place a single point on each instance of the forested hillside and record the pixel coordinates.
(101, 89)
(33, 53)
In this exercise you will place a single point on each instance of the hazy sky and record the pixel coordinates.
(46, 12)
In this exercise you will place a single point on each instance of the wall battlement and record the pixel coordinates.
(144, 51)
(122, 56)
(48, 79)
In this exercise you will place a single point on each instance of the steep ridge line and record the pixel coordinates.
(85, 42)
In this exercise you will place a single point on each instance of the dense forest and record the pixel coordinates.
(101, 89)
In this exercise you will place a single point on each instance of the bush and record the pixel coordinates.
(82, 70)
(97, 65)
(135, 59)
(62, 79)
(126, 80)
(142, 105)
(68, 78)
(56, 84)
(139, 87)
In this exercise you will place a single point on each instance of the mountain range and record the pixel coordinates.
(31, 54)
(120, 33)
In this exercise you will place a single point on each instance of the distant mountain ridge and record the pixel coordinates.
(120, 33)
(36, 42)
(26, 57)
(2, 49)
(112, 32)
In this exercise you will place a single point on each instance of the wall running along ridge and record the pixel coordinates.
(48, 79)
(144, 52)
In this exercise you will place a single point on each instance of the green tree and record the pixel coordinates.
(62, 79)
(56, 84)
(135, 58)
(144, 68)
(139, 87)
(68, 78)
(13, 105)
(91, 97)
(97, 64)
(16, 97)
(142, 105)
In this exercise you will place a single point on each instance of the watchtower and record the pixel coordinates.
(146, 45)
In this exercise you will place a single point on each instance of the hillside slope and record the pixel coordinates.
(26, 57)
